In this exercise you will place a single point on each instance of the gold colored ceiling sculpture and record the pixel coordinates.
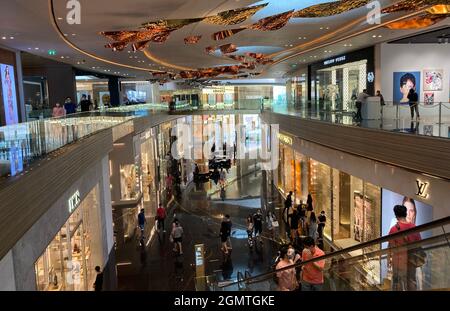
(234, 17)
(417, 22)
(221, 35)
(273, 22)
(170, 24)
(228, 48)
(192, 39)
(439, 9)
(330, 8)
(413, 5)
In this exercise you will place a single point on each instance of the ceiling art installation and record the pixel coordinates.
(417, 22)
(274, 22)
(210, 49)
(330, 8)
(270, 23)
(413, 5)
(228, 48)
(192, 39)
(439, 9)
(255, 55)
(234, 17)
(159, 31)
(239, 58)
(221, 35)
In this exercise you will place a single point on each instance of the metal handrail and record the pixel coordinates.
(431, 225)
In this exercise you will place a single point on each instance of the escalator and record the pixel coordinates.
(389, 263)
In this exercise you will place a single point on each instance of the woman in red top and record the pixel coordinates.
(161, 216)
(403, 272)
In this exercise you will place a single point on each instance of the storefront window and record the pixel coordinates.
(68, 262)
(287, 169)
(320, 188)
(301, 178)
(129, 182)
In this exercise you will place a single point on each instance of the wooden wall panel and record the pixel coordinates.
(423, 154)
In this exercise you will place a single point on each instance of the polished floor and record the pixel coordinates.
(158, 267)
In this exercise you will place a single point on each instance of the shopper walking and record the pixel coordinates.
(98, 284)
(312, 273)
(161, 217)
(286, 279)
(312, 226)
(141, 222)
(85, 104)
(360, 101)
(403, 268)
(258, 221)
(225, 233)
(177, 237)
(413, 100)
(321, 224)
(70, 106)
(58, 111)
(294, 224)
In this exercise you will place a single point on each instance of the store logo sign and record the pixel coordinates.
(286, 139)
(422, 189)
(74, 201)
(335, 60)
(370, 77)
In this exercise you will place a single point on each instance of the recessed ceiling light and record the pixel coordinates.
(4, 38)
(62, 57)
(380, 36)
(374, 36)
(321, 28)
(65, 35)
(60, 18)
(291, 45)
(12, 38)
(74, 34)
(29, 48)
(36, 48)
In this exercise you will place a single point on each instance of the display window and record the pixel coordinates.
(129, 182)
(286, 180)
(68, 262)
(148, 168)
(321, 191)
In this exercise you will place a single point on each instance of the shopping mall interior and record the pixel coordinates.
(225, 145)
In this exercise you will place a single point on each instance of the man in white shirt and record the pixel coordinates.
(361, 100)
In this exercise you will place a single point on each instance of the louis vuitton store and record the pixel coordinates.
(68, 262)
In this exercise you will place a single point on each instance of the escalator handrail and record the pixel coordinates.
(431, 225)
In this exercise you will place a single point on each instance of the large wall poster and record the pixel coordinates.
(9, 94)
(418, 213)
(433, 80)
(403, 82)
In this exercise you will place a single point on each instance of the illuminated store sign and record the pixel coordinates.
(422, 189)
(74, 201)
(286, 139)
(339, 59)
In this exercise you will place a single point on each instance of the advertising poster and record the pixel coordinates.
(9, 94)
(403, 82)
(428, 98)
(433, 80)
(358, 216)
(418, 213)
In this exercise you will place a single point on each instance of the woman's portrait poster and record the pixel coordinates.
(403, 82)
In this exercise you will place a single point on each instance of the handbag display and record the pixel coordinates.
(275, 224)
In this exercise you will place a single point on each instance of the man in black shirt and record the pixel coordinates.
(98, 285)
(258, 225)
(85, 104)
(321, 225)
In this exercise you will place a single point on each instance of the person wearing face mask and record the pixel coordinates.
(296, 258)
(286, 278)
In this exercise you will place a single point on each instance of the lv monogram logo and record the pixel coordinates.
(422, 189)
